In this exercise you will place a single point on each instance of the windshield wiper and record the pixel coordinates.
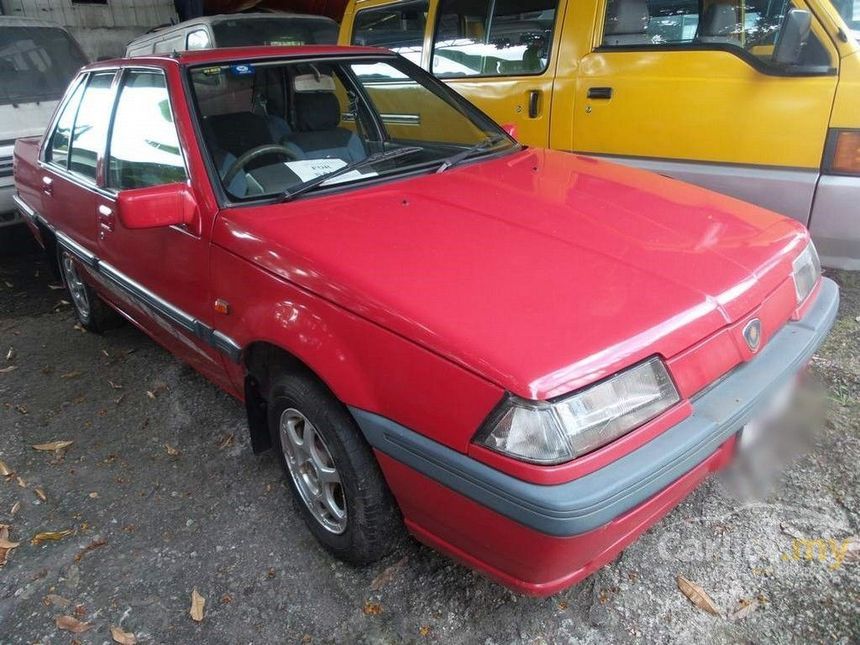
(376, 157)
(462, 155)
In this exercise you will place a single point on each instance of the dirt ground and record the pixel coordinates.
(162, 496)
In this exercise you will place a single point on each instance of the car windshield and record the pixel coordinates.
(36, 63)
(276, 128)
(241, 32)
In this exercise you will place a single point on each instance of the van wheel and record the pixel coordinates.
(92, 313)
(335, 481)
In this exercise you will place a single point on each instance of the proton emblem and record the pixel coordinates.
(752, 334)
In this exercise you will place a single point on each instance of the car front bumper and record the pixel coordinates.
(539, 539)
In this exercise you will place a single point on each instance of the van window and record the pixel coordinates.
(493, 37)
(90, 131)
(850, 12)
(36, 63)
(398, 27)
(241, 32)
(197, 39)
(144, 146)
(751, 25)
(58, 150)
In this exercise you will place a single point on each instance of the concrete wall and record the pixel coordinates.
(101, 29)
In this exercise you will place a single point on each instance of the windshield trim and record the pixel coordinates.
(225, 200)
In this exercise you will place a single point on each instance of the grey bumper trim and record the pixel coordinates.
(593, 500)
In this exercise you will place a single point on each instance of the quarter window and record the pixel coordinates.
(197, 39)
(493, 37)
(58, 151)
(144, 147)
(398, 27)
(90, 131)
(749, 25)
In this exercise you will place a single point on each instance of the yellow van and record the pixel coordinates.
(759, 99)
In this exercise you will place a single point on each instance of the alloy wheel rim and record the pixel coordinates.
(76, 286)
(313, 470)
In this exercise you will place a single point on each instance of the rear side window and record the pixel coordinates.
(90, 130)
(58, 150)
(398, 27)
(144, 146)
(749, 25)
(493, 37)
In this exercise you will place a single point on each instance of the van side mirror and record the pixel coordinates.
(792, 37)
(156, 206)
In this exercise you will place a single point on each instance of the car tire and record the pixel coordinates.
(91, 311)
(336, 483)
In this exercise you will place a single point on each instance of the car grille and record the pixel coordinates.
(5, 167)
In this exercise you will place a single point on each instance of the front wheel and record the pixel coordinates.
(335, 481)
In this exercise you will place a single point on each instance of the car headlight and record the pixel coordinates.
(806, 269)
(558, 431)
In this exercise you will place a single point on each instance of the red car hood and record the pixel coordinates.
(540, 270)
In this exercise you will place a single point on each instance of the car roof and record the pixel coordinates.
(243, 54)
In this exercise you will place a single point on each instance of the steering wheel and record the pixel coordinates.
(253, 153)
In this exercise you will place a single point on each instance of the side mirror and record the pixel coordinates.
(792, 37)
(511, 129)
(155, 206)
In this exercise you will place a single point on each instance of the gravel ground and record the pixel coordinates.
(163, 495)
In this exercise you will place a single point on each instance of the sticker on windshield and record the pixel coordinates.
(242, 70)
(308, 169)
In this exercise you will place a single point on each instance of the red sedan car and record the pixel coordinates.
(528, 356)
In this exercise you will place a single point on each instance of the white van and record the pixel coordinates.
(236, 30)
(37, 61)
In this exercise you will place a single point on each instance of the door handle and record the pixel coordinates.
(106, 219)
(600, 92)
(47, 185)
(534, 103)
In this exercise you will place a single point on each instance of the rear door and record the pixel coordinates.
(159, 276)
(691, 89)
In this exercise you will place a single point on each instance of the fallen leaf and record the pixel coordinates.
(6, 370)
(71, 624)
(56, 287)
(372, 608)
(697, 596)
(53, 446)
(5, 544)
(121, 637)
(171, 450)
(50, 536)
(40, 494)
(388, 574)
(747, 607)
(93, 495)
(226, 441)
(68, 375)
(21, 482)
(56, 601)
(8, 284)
(226, 599)
(150, 394)
(10, 354)
(92, 546)
(15, 508)
(424, 630)
(116, 386)
(852, 549)
(5, 471)
(197, 604)
(22, 409)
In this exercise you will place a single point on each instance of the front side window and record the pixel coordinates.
(90, 130)
(58, 150)
(493, 37)
(144, 147)
(357, 120)
(749, 25)
(398, 27)
(36, 63)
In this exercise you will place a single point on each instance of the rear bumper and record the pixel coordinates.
(538, 538)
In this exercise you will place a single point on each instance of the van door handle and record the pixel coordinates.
(47, 185)
(534, 103)
(600, 92)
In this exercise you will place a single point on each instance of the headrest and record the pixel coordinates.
(626, 17)
(719, 20)
(317, 111)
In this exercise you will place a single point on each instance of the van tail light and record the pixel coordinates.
(842, 156)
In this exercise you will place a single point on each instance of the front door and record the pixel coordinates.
(158, 276)
(696, 90)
